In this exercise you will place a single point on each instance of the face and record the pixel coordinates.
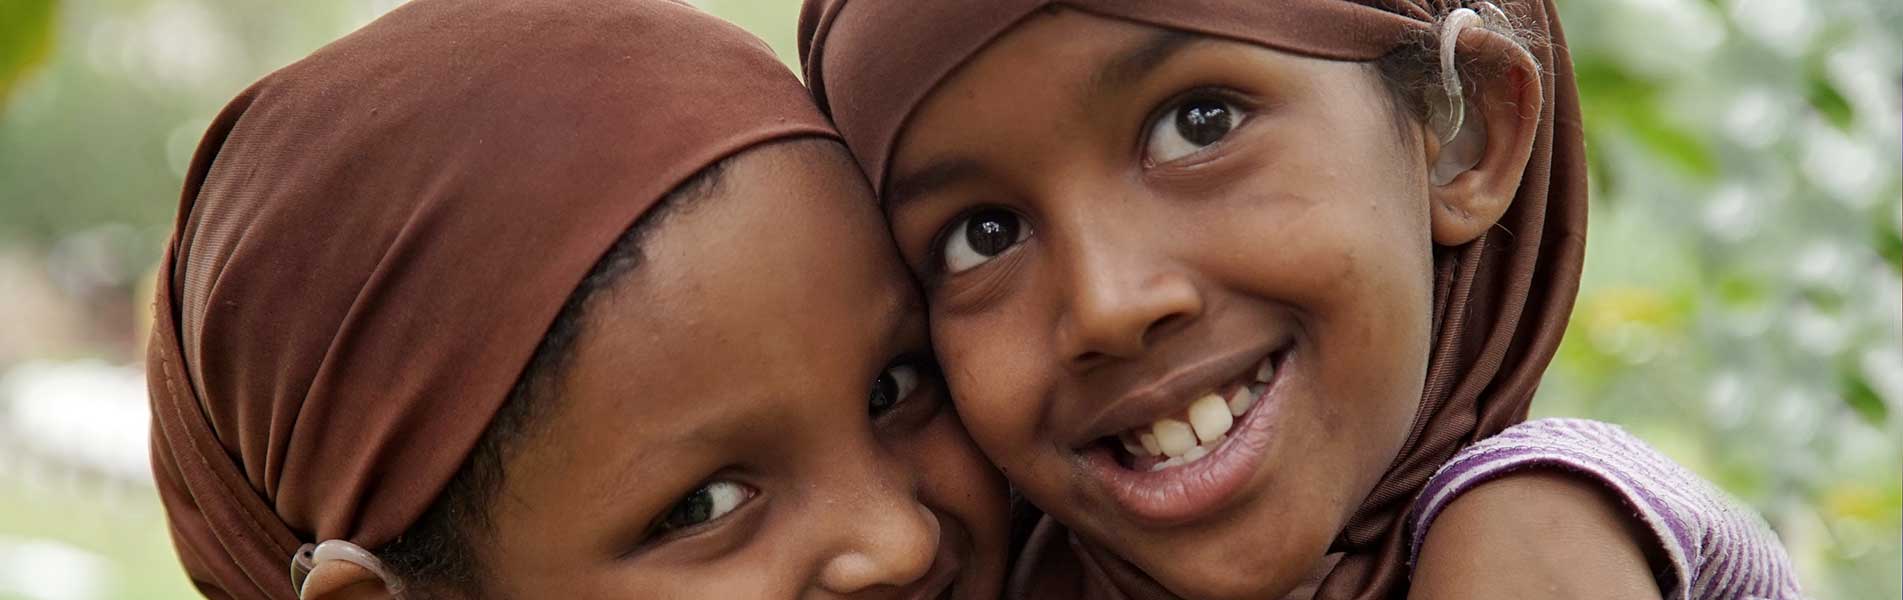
(753, 413)
(1181, 287)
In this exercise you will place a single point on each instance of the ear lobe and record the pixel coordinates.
(1476, 174)
(339, 580)
(340, 570)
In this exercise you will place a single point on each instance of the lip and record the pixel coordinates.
(1181, 494)
(1171, 393)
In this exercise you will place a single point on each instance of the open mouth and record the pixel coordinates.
(1190, 462)
(1199, 430)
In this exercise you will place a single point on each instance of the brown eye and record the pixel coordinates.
(1189, 127)
(704, 505)
(978, 238)
(897, 383)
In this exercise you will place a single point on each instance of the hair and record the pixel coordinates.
(1412, 72)
(436, 556)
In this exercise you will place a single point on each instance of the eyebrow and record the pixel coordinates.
(909, 187)
(1121, 71)
(1132, 65)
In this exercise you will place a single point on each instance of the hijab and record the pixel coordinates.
(1501, 302)
(372, 241)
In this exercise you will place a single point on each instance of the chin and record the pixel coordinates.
(1252, 564)
(1222, 584)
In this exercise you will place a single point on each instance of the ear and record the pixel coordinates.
(340, 570)
(341, 580)
(1475, 176)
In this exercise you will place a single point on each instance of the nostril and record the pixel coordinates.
(1132, 346)
(1118, 313)
(1162, 327)
(1090, 358)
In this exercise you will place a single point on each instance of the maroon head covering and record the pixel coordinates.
(372, 242)
(1500, 303)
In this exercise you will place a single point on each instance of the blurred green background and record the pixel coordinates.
(1741, 308)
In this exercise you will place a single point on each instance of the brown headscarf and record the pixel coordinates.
(372, 242)
(1500, 302)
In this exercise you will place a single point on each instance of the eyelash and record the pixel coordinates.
(1175, 102)
(935, 255)
(925, 366)
(656, 535)
(936, 271)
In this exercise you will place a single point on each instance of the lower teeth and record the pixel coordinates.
(1194, 454)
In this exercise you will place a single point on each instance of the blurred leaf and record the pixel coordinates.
(1864, 399)
(1739, 290)
(1604, 80)
(1829, 102)
(1823, 298)
(1890, 244)
(1676, 144)
(26, 39)
(1860, 500)
(1604, 175)
(1620, 101)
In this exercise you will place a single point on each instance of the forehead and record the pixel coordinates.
(776, 297)
(1037, 75)
(1074, 80)
(1061, 52)
(783, 273)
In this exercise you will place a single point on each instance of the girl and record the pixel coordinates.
(1225, 285)
(433, 324)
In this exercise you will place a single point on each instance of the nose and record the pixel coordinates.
(886, 538)
(1123, 294)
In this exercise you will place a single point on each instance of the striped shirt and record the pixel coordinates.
(1723, 549)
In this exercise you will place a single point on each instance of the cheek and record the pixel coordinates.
(1377, 342)
(993, 376)
(956, 476)
(957, 480)
(1344, 248)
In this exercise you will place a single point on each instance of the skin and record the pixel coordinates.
(1305, 233)
(744, 350)
(1489, 526)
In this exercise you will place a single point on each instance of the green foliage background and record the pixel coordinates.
(1741, 306)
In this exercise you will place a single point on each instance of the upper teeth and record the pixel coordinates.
(1174, 436)
(1244, 398)
(1210, 416)
(1190, 437)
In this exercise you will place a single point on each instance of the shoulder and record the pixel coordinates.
(1628, 473)
(1596, 500)
(1536, 534)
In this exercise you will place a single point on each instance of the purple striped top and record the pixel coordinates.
(1718, 548)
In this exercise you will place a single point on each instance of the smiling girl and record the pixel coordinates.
(575, 299)
(1248, 295)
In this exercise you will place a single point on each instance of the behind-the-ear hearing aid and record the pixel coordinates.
(312, 557)
(1463, 141)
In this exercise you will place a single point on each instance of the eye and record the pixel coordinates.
(1190, 126)
(901, 381)
(897, 383)
(978, 238)
(704, 505)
